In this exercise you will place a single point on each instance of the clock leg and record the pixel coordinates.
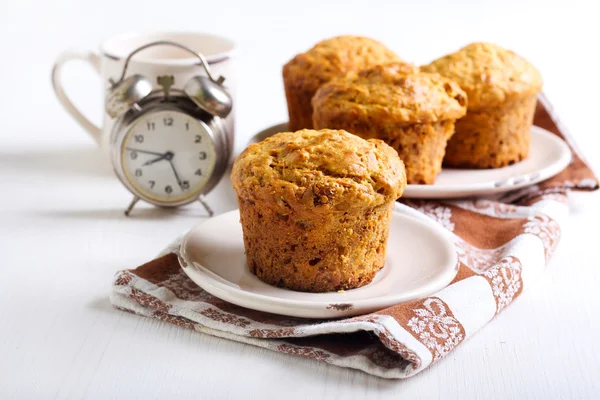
(131, 205)
(206, 206)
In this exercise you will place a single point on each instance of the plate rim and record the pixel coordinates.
(519, 181)
(211, 282)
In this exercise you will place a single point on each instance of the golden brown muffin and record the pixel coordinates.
(315, 208)
(388, 72)
(338, 56)
(412, 112)
(502, 89)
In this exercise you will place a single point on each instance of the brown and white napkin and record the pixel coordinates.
(503, 245)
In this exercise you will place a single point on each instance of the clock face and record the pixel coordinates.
(168, 156)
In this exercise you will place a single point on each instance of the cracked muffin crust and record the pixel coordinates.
(315, 208)
(328, 59)
(412, 112)
(502, 89)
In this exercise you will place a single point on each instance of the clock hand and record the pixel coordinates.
(166, 155)
(145, 151)
(176, 175)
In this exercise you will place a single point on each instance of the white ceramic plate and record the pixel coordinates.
(421, 260)
(548, 156)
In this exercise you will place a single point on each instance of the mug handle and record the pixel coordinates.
(62, 59)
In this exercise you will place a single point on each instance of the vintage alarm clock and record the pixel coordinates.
(169, 146)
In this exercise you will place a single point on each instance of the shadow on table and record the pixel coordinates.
(101, 304)
(87, 161)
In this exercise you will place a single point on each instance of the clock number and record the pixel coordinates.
(202, 155)
(151, 126)
(138, 172)
(187, 126)
(168, 189)
(199, 172)
(168, 121)
(151, 183)
(133, 155)
(185, 185)
(198, 139)
(139, 138)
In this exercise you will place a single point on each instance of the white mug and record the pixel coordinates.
(151, 63)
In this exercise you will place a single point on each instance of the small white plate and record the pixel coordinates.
(548, 156)
(421, 260)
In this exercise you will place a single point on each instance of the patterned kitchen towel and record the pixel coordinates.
(502, 245)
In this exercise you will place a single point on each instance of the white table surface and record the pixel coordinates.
(63, 235)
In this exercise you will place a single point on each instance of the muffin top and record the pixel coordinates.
(388, 71)
(386, 93)
(335, 57)
(489, 74)
(326, 169)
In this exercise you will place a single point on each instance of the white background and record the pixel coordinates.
(62, 234)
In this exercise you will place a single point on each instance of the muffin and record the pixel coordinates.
(412, 112)
(388, 72)
(315, 208)
(502, 89)
(328, 59)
